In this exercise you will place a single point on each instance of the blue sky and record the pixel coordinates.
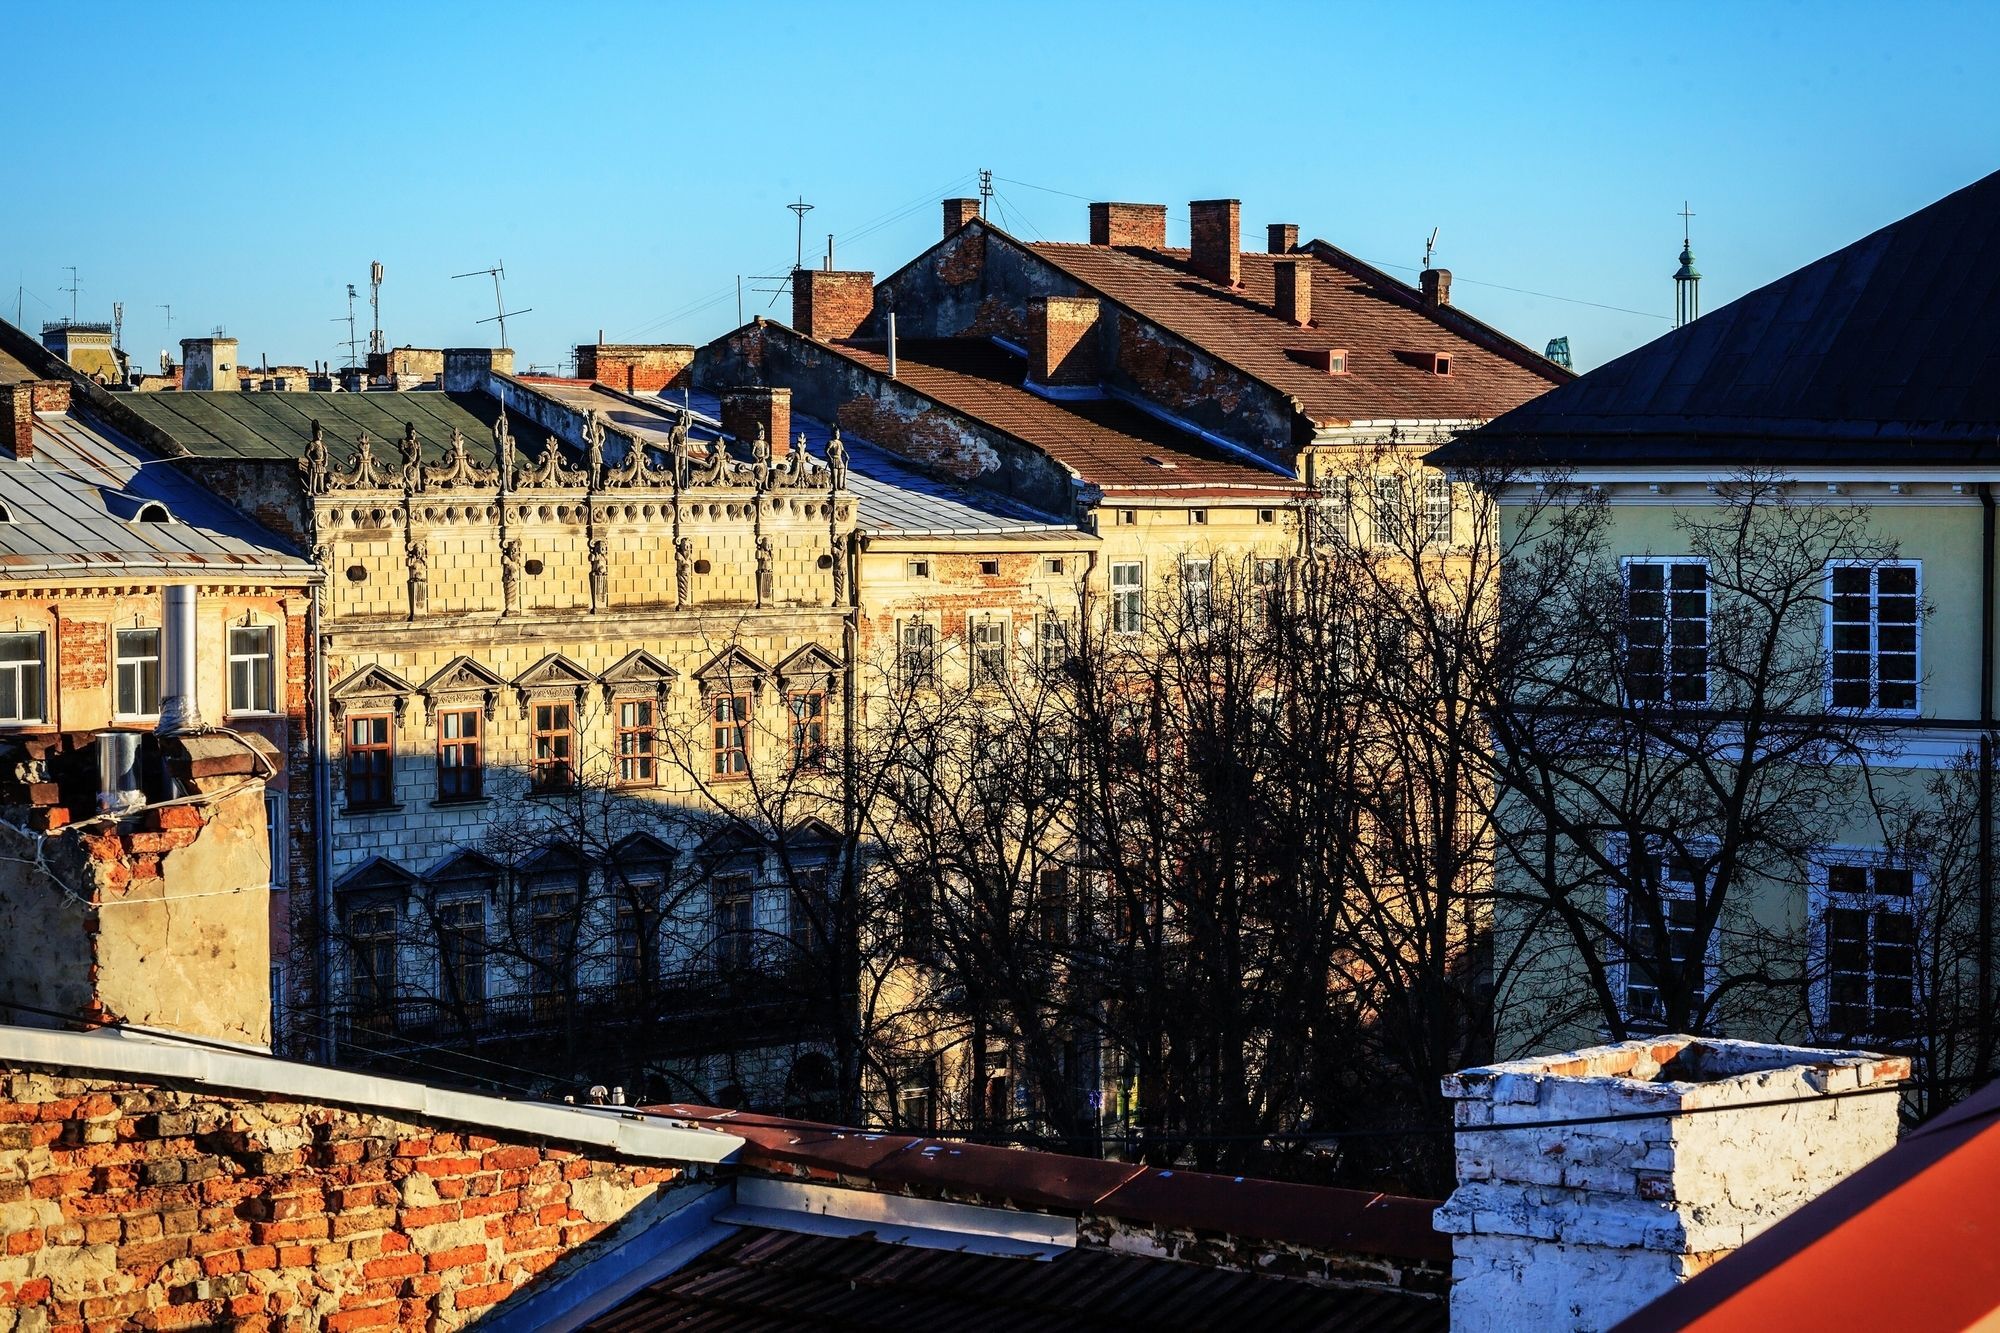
(628, 161)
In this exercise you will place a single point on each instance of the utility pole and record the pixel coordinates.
(985, 189)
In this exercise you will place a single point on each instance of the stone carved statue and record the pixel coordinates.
(839, 573)
(593, 439)
(510, 575)
(503, 451)
(600, 575)
(836, 463)
(313, 462)
(683, 570)
(760, 460)
(418, 560)
(412, 466)
(766, 558)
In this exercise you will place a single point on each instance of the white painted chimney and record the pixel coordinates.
(179, 709)
(1570, 1228)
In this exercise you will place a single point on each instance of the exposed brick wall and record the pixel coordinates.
(1129, 224)
(749, 409)
(1063, 340)
(828, 305)
(17, 411)
(129, 1205)
(1293, 290)
(1214, 248)
(635, 367)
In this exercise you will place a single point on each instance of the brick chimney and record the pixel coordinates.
(636, 367)
(1576, 1227)
(829, 304)
(466, 368)
(1214, 246)
(958, 212)
(210, 364)
(747, 409)
(1436, 284)
(1283, 237)
(1292, 290)
(1062, 341)
(1129, 224)
(19, 401)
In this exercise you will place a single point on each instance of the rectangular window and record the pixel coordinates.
(1128, 517)
(989, 567)
(1198, 590)
(370, 761)
(552, 748)
(1437, 511)
(1128, 597)
(735, 924)
(1666, 631)
(137, 666)
(1053, 565)
(371, 942)
(1267, 516)
(989, 651)
(253, 669)
(1268, 588)
(462, 951)
(808, 718)
(729, 738)
(1654, 954)
(552, 930)
(918, 651)
(1870, 939)
(461, 775)
(1333, 512)
(1052, 907)
(638, 766)
(21, 673)
(1053, 641)
(1392, 504)
(920, 569)
(809, 901)
(1198, 517)
(1872, 635)
(634, 940)
(916, 1104)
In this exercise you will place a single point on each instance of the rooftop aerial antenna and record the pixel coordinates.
(801, 208)
(73, 288)
(352, 341)
(1430, 246)
(375, 344)
(985, 189)
(500, 310)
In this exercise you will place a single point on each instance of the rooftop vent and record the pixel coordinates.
(1157, 461)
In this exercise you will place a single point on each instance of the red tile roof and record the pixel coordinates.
(1384, 326)
(1106, 441)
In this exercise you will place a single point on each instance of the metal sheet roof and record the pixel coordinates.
(766, 1279)
(278, 425)
(1886, 350)
(74, 510)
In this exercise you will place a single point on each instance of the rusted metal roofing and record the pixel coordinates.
(1386, 329)
(1108, 442)
(1887, 350)
(759, 1279)
(277, 426)
(1317, 1216)
(1911, 1242)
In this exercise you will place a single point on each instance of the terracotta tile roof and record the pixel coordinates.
(763, 1279)
(1382, 324)
(1106, 441)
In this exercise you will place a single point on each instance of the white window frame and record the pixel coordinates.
(1198, 588)
(24, 715)
(1334, 507)
(1667, 674)
(1128, 599)
(1875, 636)
(1616, 910)
(1391, 510)
(1053, 634)
(1821, 899)
(119, 662)
(908, 667)
(231, 657)
(987, 635)
(1440, 517)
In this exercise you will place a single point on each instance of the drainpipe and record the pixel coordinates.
(1986, 596)
(322, 835)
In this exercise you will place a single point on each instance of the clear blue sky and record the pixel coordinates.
(627, 162)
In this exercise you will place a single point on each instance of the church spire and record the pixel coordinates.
(1687, 278)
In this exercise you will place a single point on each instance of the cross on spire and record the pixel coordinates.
(1685, 214)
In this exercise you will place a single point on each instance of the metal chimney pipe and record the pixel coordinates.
(179, 710)
(892, 344)
(118, 788)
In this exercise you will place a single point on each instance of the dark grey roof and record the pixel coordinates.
(1887, 350)
(277, 425)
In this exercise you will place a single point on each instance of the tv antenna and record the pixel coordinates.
(801, 208)
(352, 340)
(73, 288)
(375, 344)
(1429, 246)
(170, 324)
(500, 310)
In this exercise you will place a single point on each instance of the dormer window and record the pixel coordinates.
(6, 514)
(154, 512)
(1440, 363)
(1336, 361)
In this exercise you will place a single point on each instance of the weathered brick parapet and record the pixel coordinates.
(129, 1204)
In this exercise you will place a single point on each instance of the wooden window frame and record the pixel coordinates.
(808, 729)
(637, 752)
(551, 747)
(368, 789)
(729, 736)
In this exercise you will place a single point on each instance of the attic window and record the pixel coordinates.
(154, 512)
(1198, 516)
(1336, 361)
(6, 514)
(989, 566)
(920, 569)
(1267, 516)
(1441, 363)
(1053, 564)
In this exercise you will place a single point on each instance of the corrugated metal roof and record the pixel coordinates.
(1886, 350)
(278, 425)
(75, 506)
(759, 1279)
